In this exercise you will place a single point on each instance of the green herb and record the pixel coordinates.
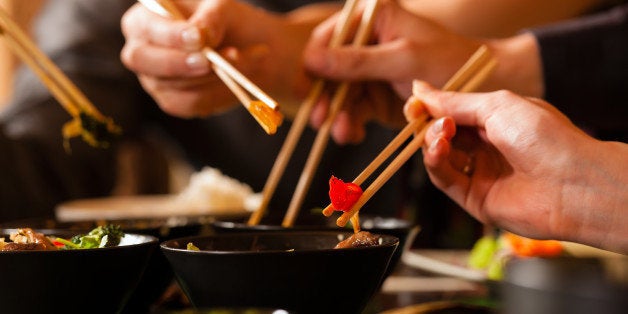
(102, 236)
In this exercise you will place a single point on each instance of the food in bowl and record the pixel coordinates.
(491, 252)
(296, 271)
(26, 239)
(96, 280)
(359, 239)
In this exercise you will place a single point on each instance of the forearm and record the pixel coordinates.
(498, 18)
(595, 197)
(519, 66)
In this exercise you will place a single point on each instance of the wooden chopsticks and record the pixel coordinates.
(60, 86)
(468, 78)
(264, 110)
(322, 137)
(301, 118)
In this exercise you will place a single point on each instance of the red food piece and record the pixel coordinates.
(343, 194)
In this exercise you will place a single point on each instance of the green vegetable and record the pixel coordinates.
(495, 270)
(102, 236)
(483, 252)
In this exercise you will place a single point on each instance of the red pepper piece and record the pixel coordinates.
(343, 194)
(58, 244)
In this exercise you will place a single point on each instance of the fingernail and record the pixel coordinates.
(197, 62)
(437, 127)
(191, 38)
(434, 145)
(411, 109)
(419, 87)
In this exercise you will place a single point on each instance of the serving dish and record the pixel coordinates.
(158, 275)
(98, 280)
(455, 262)
(396, 227)
(565, 284)
(297, 271)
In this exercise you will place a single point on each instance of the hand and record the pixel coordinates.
(165, 54)
(519, 164)
(406, 47)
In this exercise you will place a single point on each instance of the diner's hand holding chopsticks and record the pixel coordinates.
(469, 77)
(265, 110)
(93, 127)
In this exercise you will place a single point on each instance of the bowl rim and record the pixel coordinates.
(389, 241)
(402, 224)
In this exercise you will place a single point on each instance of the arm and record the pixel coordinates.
(411, 47)
(496, 18)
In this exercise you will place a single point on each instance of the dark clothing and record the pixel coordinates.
(83, 37)
(585, 66)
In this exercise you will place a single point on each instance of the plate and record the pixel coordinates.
(444, 262)
(138, 207)
(440, 261)
(454, 263)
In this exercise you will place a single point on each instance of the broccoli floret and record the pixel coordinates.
(101, 236)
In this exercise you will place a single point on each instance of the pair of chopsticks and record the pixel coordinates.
(472, 74)
(66, 93)
(338, 38)
(264, 110)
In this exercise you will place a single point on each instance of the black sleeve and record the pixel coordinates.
(585, 67)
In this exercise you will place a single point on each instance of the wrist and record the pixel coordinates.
(594, 198)
(519, 66)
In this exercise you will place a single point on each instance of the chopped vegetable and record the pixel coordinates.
(483, 251)
(102, 236)
(490, 253)
(192, 247)
(96, 131)
(522, 246)
(267, 117)
(343, 195)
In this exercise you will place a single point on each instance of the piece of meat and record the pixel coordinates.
(26, 239)
(360, 239)
(12, 246)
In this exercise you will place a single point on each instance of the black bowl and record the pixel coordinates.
(375, 224)
(297, 271)
(158, 274)
(565, 285)
(73, 281)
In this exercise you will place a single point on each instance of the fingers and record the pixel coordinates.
(347, 129)
(189, 98)
(437, 158)
(163, 62)
(140, 24)
(470, 109)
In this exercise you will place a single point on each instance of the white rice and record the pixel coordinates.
(210, 191)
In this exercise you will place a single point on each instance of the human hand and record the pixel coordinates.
(165, 53)
(406, 47)
(519, 164)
